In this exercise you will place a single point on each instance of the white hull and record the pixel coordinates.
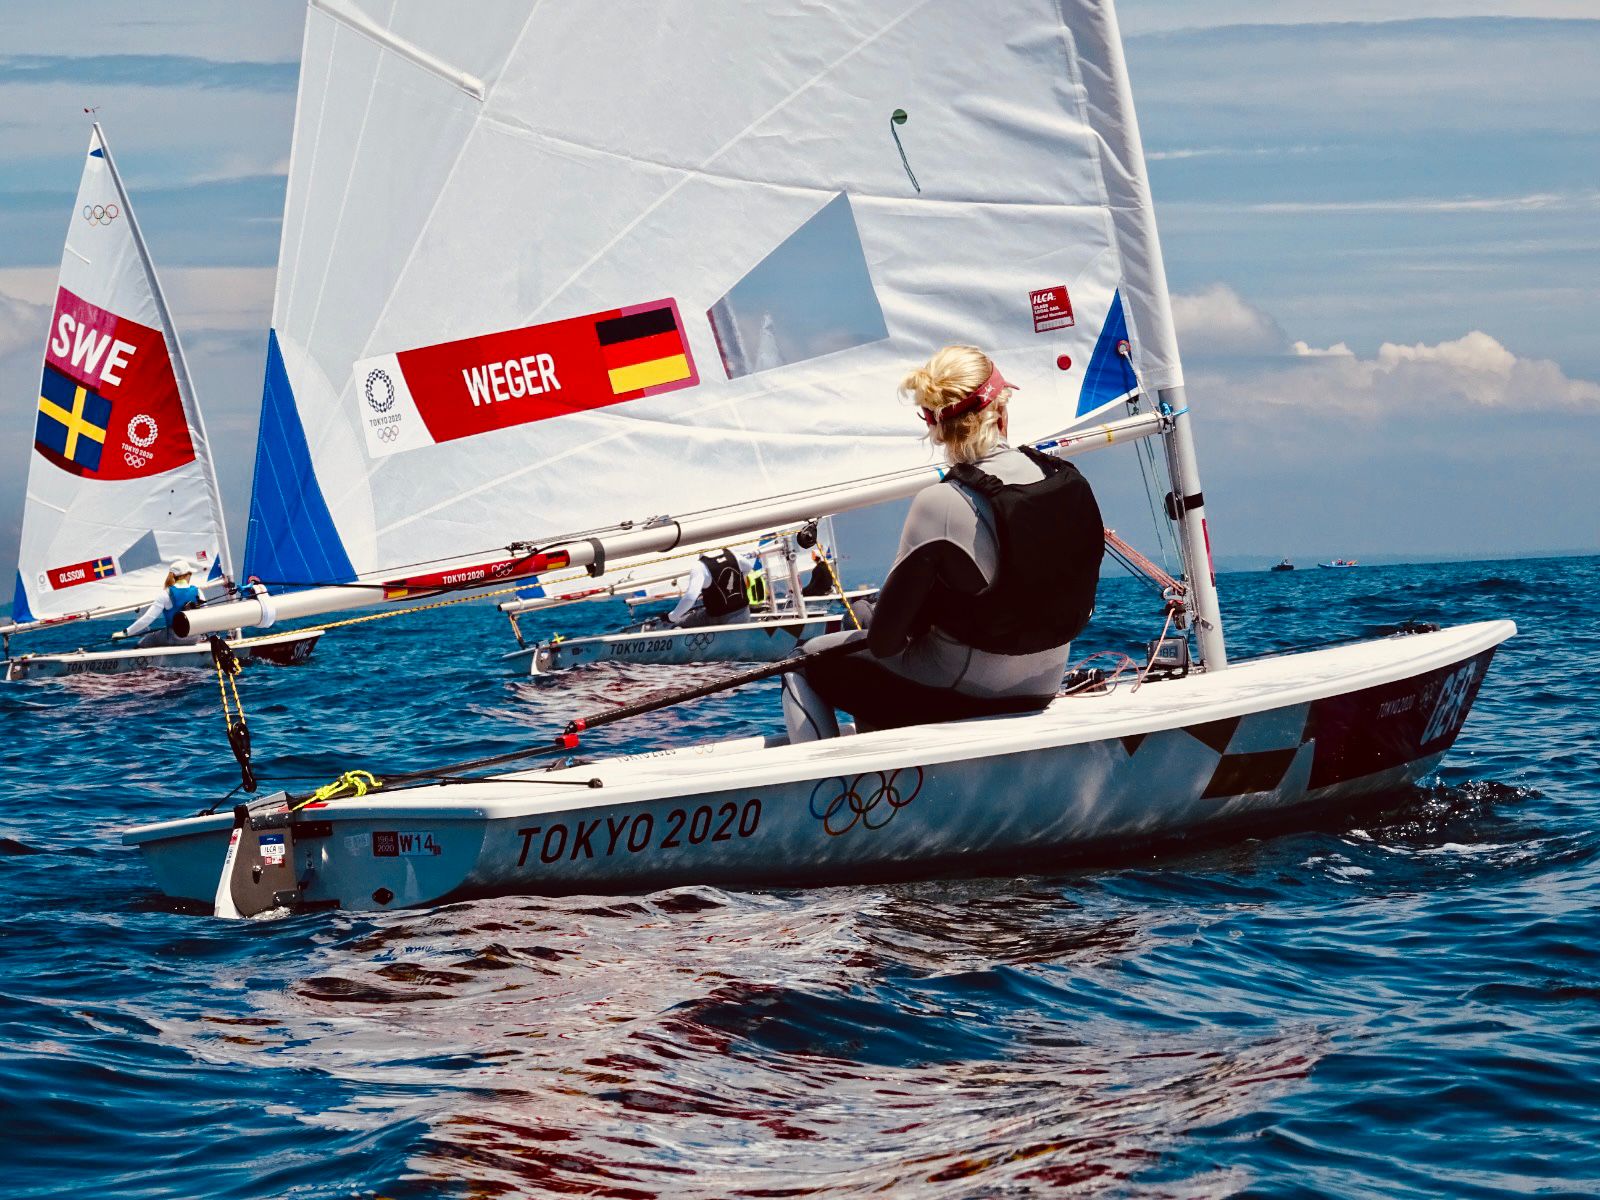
(1209, 752)
(284, 649)
(758, 641)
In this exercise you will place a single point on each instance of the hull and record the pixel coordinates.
(756, 641)
(1232, 749)
(282, 649)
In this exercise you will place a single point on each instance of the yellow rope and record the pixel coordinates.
(351, 783)
(849, 609)
(224, 680)
(398, 612)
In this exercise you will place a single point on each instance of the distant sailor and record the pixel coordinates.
(720, 590)
(995, 576)
(820, 582)
(176, 595)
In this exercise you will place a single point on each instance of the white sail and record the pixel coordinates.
(563, 266)
(119, 482)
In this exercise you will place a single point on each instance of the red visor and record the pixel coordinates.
(985, 394)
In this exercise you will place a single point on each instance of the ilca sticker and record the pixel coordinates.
(1052, 309)
(273, 848)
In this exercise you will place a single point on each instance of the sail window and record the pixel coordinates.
(811, 295)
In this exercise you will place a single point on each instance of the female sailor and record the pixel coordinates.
(176, 595)
(995, 575)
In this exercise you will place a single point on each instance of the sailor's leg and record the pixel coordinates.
(806, 715)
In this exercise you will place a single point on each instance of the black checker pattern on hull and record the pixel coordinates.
(1238, 774)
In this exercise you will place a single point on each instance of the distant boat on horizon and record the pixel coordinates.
(1340, 562)
(1284, 565)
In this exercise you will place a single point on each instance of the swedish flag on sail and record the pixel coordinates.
(72, 421)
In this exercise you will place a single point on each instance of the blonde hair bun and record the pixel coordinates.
(947, 378)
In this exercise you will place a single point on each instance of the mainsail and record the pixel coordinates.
(557, 267)
(120, 481)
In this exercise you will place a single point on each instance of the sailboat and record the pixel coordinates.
(576, 220)
(779, 621)
(121, 480)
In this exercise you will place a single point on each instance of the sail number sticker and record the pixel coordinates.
(1455, 695)
(459, 389)
(389, 844)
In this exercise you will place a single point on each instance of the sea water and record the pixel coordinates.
(1394, 1004)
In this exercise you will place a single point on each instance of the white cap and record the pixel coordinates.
(180, 566)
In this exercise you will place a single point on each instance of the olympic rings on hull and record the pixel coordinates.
(870, 799)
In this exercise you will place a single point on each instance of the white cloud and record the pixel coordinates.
(22, 324)
(1239, 353)
(1532, 202)
(1151, 16)
(1337, 350)
(1227, 152)
(1473, 372)
(203, 299)
(1218, 320)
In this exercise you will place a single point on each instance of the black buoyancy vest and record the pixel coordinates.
(725, 593)
(1050, 542)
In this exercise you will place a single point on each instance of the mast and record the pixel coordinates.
(180, 365)
(1153, 341)
(1186, 506)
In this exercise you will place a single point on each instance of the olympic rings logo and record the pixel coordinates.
(379, 381)
(871, 799)
(101, 214)
(699, 641)
(388, 433)
(143, 421)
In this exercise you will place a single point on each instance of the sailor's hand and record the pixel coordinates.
(119, 635)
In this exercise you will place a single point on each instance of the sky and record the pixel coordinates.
(1381, 223)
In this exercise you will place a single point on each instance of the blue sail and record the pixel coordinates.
(1110, 376)
(20, 611)
(292, 541)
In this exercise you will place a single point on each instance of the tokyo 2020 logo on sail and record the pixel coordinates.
(101, 214)
(380, 391)
(870, 799)
(142, 430)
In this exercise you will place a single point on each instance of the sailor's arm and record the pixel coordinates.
(934, 564)
(148, 617)
(698, 578)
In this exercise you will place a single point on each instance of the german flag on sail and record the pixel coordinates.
(643, 350)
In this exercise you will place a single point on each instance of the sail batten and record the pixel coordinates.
(450, 264)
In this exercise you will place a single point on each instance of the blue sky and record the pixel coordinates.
(1381, 223)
